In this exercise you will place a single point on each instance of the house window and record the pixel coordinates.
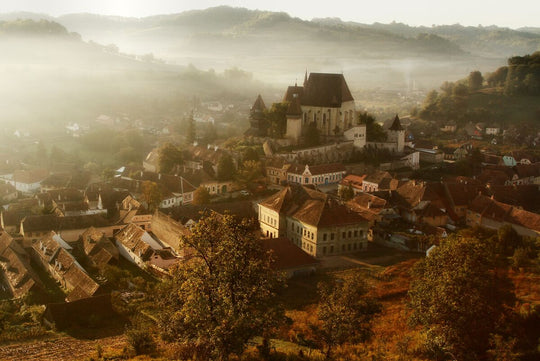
(349, 247)
(343, 235)
(350, 234)
(324, 237)
(324, 250)
(332, 237)
(332, 249)
(356, 233)
(312, 235)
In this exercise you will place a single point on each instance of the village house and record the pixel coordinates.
(421, 202)
(354, 182)
(313, 221)
(142, 248)
(69, 227)
(449, 127)
(98, 248)
(379, 181)
(320, 174)
(27, 181)
(276, 170)
(54, 253)
(375, 209)
(489, 213)
(18, 275)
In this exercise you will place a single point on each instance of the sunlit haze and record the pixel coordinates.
(513, 14)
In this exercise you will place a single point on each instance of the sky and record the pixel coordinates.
(513, 14)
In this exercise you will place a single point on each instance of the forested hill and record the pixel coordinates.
(508, 96)
(278, 48)
(50, 77)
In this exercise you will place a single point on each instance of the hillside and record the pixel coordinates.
(278, 47)
(50, 77)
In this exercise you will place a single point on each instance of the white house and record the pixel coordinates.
(316, 174)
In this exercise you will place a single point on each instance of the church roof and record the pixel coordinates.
(294, 106)
(326, 90)
(396, 125)
(291, 91)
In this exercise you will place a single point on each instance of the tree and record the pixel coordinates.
(191, 134)
(201, 196)
(475, 80)
(374, 131)
(346, 193)
(276, 117)
(225, 168)
(249, 173)
(250, 153)
(151, 194)
(345, 312)
(458, 296)
(225, 294)
(169, 157)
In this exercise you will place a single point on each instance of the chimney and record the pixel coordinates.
(159, 176)
(369, 203)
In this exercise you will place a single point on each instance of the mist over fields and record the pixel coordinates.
(78, 66)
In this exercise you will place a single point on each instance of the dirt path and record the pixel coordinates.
(61, 348)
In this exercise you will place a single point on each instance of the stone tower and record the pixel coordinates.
(396, 134)
(294, 120)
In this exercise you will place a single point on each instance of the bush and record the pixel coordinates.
(520, 258)
(141, 340)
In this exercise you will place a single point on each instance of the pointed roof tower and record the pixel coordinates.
(258, 105)
(294, 108)
(396, 125)
(305, 78)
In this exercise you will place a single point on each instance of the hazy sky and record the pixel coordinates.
(513, 14)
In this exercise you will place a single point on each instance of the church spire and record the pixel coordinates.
(305, 78)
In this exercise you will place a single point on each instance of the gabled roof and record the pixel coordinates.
(286, 255)
(291, 91)
(16, 266)
(490, 208)
(30, 176)
(353, 180)
(326, 90)
(98, 247)
(50, 222)
(377, 176)
(136, 239)
(312, 207)
(365, 201)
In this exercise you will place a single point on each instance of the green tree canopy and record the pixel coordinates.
(475, 80)
(225, 294)
(277, 119)
(170, 156)
(201, 196)
(225, 168)
(249, 173)
(374, 131)
(459, 298)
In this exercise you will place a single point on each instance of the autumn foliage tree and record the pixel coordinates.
(201, 196)
(345, 312)
(459, 297)
(151, 194)
(224, 295)
(169, 156)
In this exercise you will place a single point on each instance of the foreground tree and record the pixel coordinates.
(223, 296)
(459, 297)
(345, 312)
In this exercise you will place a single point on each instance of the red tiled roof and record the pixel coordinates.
(501, 212)
(287, 255)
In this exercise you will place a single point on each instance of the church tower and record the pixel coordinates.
(294, 119)
(396, 134)
(259, 126)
